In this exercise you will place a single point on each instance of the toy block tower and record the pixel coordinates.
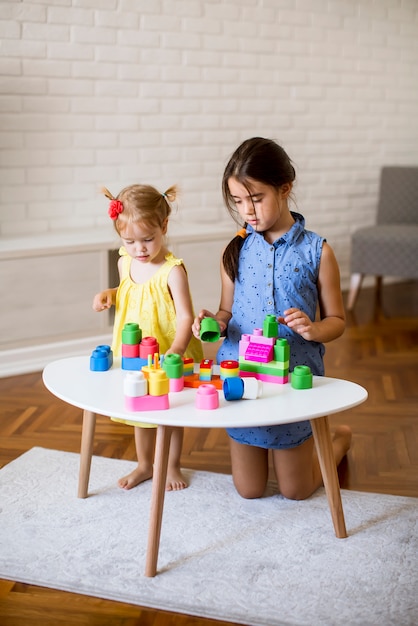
(135, 348)
(174, 368)
(146, 391)
(264, 355)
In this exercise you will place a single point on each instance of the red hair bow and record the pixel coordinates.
(115, 207)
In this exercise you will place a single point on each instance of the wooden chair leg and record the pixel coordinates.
(87, 439)
(323, 443)
(159, 477)
(378, 291)
(355, 284)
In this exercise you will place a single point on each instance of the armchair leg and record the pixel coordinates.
(355, 284)
(379, 291)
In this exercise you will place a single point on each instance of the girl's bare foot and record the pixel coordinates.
(137, 476)
(175, 480)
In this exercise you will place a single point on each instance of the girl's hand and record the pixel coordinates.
(103, 300)
(299, 322)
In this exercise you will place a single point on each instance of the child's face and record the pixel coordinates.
(258, 204)
(144, 243)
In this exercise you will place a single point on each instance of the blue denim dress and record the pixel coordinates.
(272, 278)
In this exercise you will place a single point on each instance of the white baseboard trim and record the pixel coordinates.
(35, 358)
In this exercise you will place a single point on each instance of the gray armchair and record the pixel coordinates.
(390, 247)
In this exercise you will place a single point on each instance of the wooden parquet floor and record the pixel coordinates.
(379, 350)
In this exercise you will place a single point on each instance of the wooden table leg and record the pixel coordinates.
(159, 478)
(87, 438)
(323, 442)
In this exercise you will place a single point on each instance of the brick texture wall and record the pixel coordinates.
(110, 92)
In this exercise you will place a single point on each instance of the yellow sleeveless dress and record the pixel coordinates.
(151, 306)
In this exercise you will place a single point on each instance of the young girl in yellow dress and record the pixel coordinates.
(154, 293)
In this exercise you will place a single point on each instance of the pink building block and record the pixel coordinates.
(131, 351)
(148, 347)
(207, 397)
(176, 384)
(267, 378)
(262, 353)
(147, 403)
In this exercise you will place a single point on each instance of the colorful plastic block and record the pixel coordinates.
(130, 350)
(247, 388)
(148, 347)
(101, 359)
(135, 384)
(158, 384)
(209, 330)
(147, 403)
(229, 369)
(207, 397)
(137, 364)
(272, 368)
(301, 377)
(267, 378)
(131, 333)
(281, 350)
(188, 366)
(259, 352)
(270, 326)
(194, 381)
(205, 371)
(173, 365)
(233, 388)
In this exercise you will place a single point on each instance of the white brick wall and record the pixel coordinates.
(110, 92)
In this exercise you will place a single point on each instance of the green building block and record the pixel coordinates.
(273, 368)
(301, 377)
(131, 334)
(173, 366)
(281, 350)
(270, 326)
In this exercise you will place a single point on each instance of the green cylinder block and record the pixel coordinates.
(301, 377)
(131, 334)
(173, 365)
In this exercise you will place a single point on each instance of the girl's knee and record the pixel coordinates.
(296, 493)
(249, 492)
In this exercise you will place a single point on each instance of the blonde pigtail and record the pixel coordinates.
(107, 193)
(171, 193)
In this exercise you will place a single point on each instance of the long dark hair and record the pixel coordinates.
(258, 159)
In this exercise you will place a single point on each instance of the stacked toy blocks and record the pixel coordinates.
(204, 376)
(264, 355)
(136, 350)
(146, 390)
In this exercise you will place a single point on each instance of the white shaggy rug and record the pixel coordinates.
(263, 562)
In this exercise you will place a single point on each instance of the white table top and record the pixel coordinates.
(72, 380)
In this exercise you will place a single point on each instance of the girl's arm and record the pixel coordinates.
(107, 298)
(224, 313)
(180, 292)
(331, 308)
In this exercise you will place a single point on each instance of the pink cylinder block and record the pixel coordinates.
(176, 384)
(207, 397)
(130, 351)
(148, 346)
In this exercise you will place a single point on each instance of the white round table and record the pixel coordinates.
(101, 393)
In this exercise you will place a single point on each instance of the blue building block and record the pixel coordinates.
(101, 359)
(133, 363)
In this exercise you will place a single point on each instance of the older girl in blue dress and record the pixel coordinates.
(276, 266)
